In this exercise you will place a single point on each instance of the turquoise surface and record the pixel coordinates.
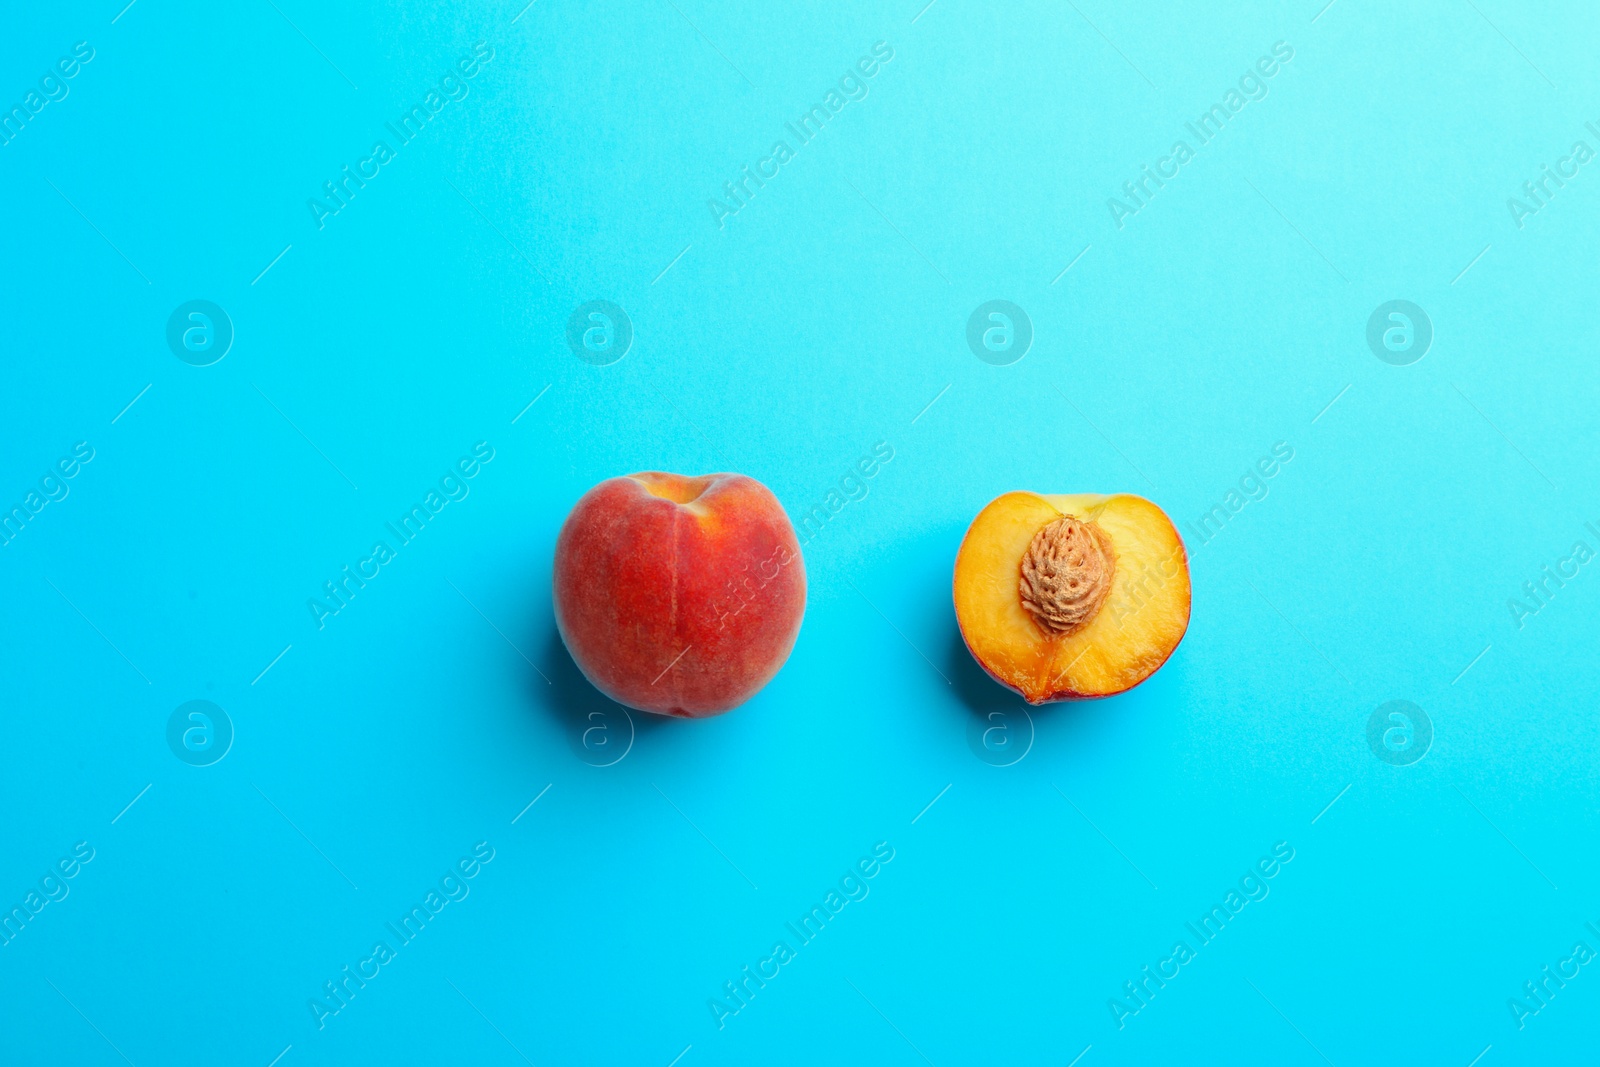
(287, 283)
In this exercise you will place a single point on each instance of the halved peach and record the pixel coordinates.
(1069, 597)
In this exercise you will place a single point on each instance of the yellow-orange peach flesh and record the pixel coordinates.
(1066, 597)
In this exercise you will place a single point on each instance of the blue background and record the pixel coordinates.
(1227, 315)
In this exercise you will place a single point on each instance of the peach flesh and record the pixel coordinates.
(1072, 625)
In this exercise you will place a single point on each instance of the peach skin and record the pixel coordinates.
(1071, 597)
(676, 595)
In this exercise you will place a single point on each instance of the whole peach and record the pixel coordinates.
(677, 595)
